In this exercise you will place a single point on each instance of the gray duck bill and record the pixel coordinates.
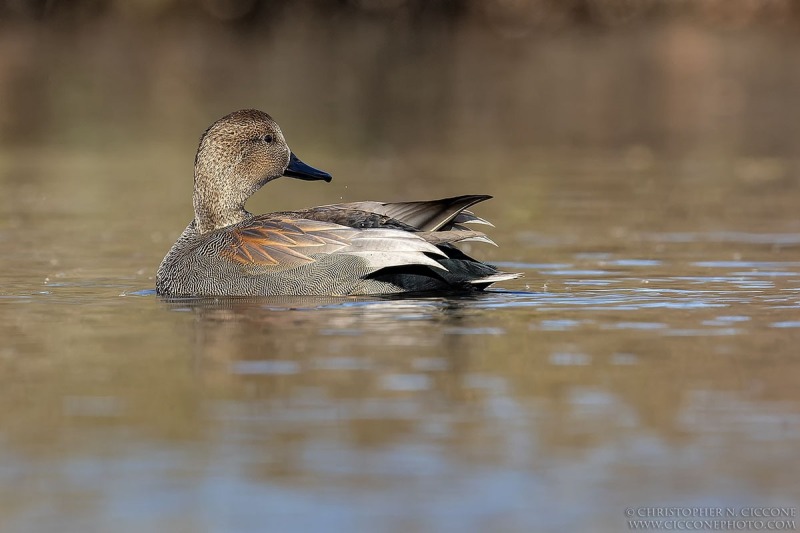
(298, 169)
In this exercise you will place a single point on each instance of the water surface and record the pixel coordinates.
(647, 358)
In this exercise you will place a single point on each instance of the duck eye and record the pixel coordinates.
(268, 138)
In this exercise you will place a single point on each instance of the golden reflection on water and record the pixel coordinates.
(647, 358)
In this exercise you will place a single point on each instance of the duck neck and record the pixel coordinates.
(215, 205)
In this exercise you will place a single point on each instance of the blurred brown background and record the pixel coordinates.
(711, 75)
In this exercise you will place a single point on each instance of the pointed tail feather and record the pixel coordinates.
(453, 236)
(468, 217)
(484, 282)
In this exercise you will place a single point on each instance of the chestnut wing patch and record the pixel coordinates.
(282, 243)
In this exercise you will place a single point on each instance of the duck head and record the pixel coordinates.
(238, 154)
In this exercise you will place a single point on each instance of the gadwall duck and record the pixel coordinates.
(333, 250)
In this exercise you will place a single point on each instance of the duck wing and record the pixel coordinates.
(408, 245)
(432, 215)
(270, 244)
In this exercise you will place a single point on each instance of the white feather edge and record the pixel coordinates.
(500, 276)
(483, 238)
(378, 260)
(468, 217)
(383, 248)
